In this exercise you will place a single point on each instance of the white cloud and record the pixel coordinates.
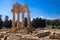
(47, 18)
(43, 18)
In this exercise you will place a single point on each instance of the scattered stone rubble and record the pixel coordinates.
(42, 35)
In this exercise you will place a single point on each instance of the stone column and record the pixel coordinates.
(23, 24)
(28, 20)
(13, 18)
(18, 20)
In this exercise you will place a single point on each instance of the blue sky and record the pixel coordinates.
(39, 8)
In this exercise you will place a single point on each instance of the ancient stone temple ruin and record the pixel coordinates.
(18, 9)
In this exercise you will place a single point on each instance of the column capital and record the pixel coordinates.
(22, 10)
(28, 11)
(12, 10)
(18, 11)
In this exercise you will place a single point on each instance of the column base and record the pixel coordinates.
(20, 30)
(13, 30)
(23, 30)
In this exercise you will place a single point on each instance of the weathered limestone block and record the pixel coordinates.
(23, 30)
(23, 25)
(13, 30)
(28, 39)
(17, 8)
(13, 37)
(18, 21)
(28, 25)
(13, 18)
(31, 29)
(5, 38)
(54, 36)
(44, 34)
(1, 35)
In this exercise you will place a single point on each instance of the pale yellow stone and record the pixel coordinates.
(18, 8)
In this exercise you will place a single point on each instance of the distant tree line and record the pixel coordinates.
(6, 23)
(54, 23)
(1, 22)
(36, 22)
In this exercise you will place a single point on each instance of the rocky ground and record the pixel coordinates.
(36, 35)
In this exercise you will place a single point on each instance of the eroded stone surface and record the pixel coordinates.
(19, 36)
(17, 9)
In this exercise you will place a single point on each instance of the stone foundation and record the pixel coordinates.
(23, 30)
(13, 30)
(19, 30)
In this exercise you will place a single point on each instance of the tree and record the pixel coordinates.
(7, 23)
(0, 17)
(53, 23)
(1, 22)
(56, 22)
(10, 24)
(38, 22)
(25, 22)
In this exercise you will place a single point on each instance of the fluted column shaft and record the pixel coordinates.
(28, 22)
(18, 21)
(23, 24)
(13, 20)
